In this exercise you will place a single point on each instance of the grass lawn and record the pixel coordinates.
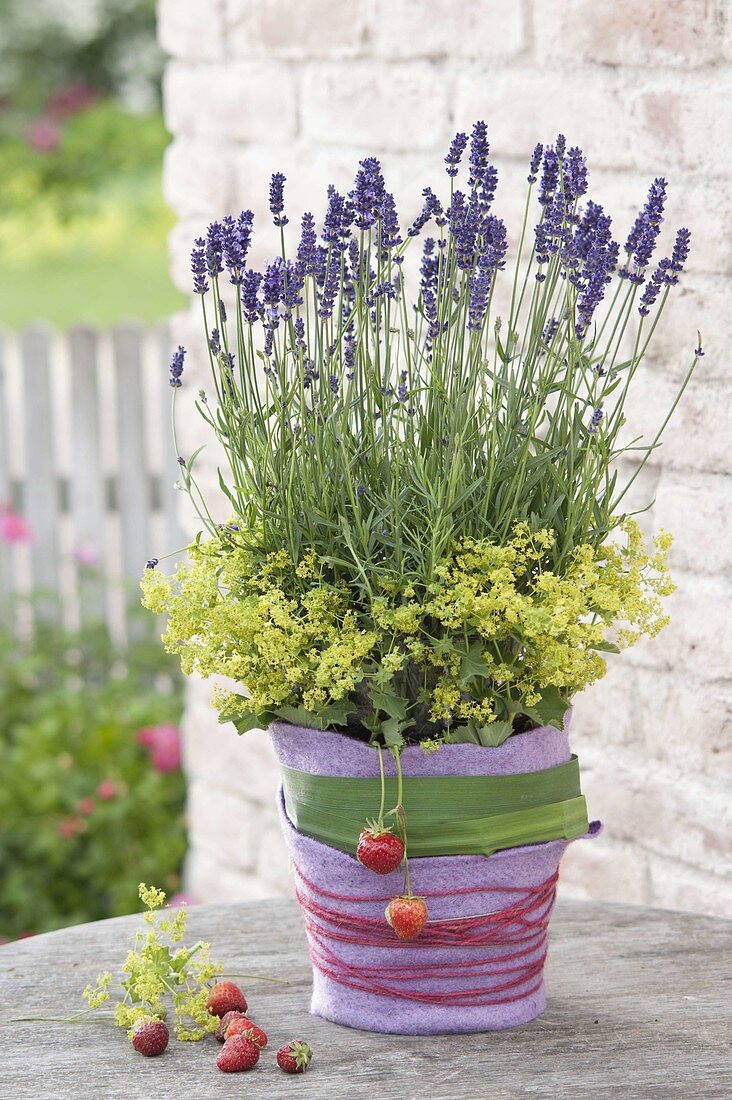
(104, 266)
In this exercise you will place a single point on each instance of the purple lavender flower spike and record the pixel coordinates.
(151, 563)
(277, 199)
(176, 367)
(389, 234)
(575, 174)
(236, 238)
(198, 266)
(455, 153)
(601, 261)
(432, 209)
(535, 162)
(251, 306)
(479, 150)
(652, 288)
(307, 254)
(490, 261)
(214, 249)
(679, 256)
(214, 341)
(597, 416)
(222, 311)
(368, 193)
(402, 392)
(642, 238)
(560, 145)
(549, 176)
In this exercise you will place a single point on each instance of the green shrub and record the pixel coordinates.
(84, 813)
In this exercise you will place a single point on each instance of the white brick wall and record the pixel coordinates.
(256, 85)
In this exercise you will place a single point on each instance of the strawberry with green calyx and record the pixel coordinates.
(294, 1057)
(407, 915)
(242, 1025)
(379, 849)
(237, 1054)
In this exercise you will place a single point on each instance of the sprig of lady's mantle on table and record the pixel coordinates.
(156, 970)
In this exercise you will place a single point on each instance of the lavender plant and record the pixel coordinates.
(427, 539)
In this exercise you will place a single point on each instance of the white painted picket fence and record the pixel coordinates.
(86, 459)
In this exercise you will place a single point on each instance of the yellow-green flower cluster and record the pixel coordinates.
(153, 971)
(491, 634)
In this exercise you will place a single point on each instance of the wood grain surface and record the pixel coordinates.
(639, 1006)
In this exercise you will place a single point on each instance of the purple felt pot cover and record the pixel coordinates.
(417, 988)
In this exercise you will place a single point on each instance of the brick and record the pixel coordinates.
(692, 506)
(211, 881)
(657, 125)
(232, 102)
(605, 713)
(375, 107)
(646, 803)
(525, 105)
(197, 179)
(697, 436)
(277, 28)
(685, 725)
(682, 34)
(697, 642)
(193, 29)
(404, 29)
(675, 885)
(604, 870)
(224, 824)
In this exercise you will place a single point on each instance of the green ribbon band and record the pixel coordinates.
(446, 815)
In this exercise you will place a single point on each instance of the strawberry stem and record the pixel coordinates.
(383, 788)
(402, 819)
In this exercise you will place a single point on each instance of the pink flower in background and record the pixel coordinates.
(107, 790)
(163, 746)
(87, 554)
(70, 827)
(86, 806)
(13, 527)
(70, 99)
(43, 135)
(182, 898)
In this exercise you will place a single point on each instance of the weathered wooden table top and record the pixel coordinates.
(639, 1006)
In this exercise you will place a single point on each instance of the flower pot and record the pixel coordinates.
(478, 964)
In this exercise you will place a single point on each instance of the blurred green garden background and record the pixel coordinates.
(92, 796)
(82, 221)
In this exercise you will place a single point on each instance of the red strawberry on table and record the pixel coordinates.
(294, 1057)
(150, 1037)
(241, 1025)
(224, 1023)
(237, 1054)
(380, 850)
(226, 997)
(407, 915)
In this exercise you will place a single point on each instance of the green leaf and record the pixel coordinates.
(550, 710)
(607, 647)
(494, 734)
(389, 701)
(335, 714)
(473, 663)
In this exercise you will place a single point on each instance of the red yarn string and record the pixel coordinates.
(518, 932)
